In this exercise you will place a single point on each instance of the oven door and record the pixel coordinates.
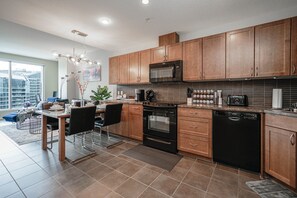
(160, 122)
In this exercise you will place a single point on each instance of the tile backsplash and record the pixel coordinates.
(259, 92)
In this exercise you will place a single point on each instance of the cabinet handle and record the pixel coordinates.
(294, 69)
(193, 144)
(252, 71)
(193, 127)
(292, 139)
(257, 71)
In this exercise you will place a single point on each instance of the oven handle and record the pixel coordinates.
(160, 141)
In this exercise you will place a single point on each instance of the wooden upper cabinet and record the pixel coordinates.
(145, 60)
(294, 47)
(192, 60)
(134, 67)
(124, 69)
(214, 57)
(113, 70)
(158, 54)
(272, 49)
(167, 53)
(174, 52)
(240, 54)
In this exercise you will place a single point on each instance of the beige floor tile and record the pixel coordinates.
(197, 180)
(131, 189)
(187, 191)
(68, 175)
(114, 179)
(185, 163)
(103, 157)
(20, 164)
(115, 162)
(17, 195)
(58, 192)
(176, 173)
(99, 172)
(129, 169)
(57, 168)
(227, 168)
(221, 189)
(5, 178)
(27, 170)
(154, 168)
(202, 169)
(247, 194)
(137, 162)
(113, 195)
(250, 174)
(165, 184)
(79, 184)
(115, 151)
(87, 165)
(225, 177)
(146, 176)
(41, 188)
(32, 179)
(209, 195)
(242, 180)
(152, 193)
(94, 191)
(8, 189)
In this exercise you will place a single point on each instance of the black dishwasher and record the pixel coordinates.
(236, 139)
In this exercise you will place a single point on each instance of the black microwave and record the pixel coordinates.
(166, 72)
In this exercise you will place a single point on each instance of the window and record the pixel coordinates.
(19, 84)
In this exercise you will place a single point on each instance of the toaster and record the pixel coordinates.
(237, 100)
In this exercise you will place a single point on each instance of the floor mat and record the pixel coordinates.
(270, 189)
(154, 157)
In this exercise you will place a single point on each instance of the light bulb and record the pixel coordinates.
(72, 59)
(145, 2)
(98, 63)
(82, 56)
(55, 54)
(90, 62)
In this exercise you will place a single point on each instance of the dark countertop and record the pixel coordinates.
(281, 112)
(224, 108)
(125, 101)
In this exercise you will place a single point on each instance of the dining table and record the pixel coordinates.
(61, 116)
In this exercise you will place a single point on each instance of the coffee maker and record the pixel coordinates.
(139, 95)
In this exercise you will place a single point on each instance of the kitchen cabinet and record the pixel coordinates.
(124, 69)
(114, 77)
(122, 128)
(240, 53)
(195, 131)
(214, 64)
(280, 148)
(139, 67)
(192, 60)
(167, 53)
(272, 49)
(294, 47)
(136, 122)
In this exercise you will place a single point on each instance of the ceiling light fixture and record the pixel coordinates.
(145, 2)
(105, 21)
(77, 59)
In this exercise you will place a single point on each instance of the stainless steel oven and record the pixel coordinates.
(160, 126)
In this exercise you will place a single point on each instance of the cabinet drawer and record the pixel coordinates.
(135, 109)
(194, 144)
(198, 126)
(201, 113)
(282, 122)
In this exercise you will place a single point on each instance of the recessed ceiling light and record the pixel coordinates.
(145, 1)
(105, 21)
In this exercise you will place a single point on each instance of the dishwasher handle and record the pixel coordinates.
(235, 119)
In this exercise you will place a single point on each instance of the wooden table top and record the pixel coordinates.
(61, 114)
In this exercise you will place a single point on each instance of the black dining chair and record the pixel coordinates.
(81, 121)
(112, 115)
(52, 123)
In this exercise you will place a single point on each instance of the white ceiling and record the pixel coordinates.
(46, 24)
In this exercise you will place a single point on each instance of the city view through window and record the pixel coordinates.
(19, 84)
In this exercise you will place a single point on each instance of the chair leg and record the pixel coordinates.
(107, 131)
(51, 142)
(83, 139)
(93, 135)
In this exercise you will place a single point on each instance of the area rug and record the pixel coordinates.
(21, 136)
(270, 189)
(154, 157)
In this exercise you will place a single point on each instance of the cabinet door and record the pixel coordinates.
(134, 67)
(135, 122)
(214, 57)
(294, 47)
(280, 154)
(158, 54)
(240, 53)
(124, 69)
(121, 128)
(192, 60)
(113, 70)
(174, 52)
(145, 60)
(272, 49)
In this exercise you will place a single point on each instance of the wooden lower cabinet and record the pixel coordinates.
(280, 148)
(195, 131)
(136, 122)
(122, 128)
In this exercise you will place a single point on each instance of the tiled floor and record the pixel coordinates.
(28, 171)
